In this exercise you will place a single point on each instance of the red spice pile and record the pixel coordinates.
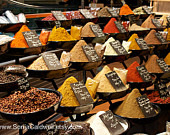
(133, 74)
(111, 27)
(49, 18)
(154, 97)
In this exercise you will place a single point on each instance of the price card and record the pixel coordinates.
(112, 12)
(116, 45)
(146, 106)
(156, 23)
(51, 61)
(57, 24)
(91, 53)
(32, 38)
(86, 14)
(97, 30)
(23, 84)
(82, 94)
(160, 37)
(163, 65)
(111, 122)
(146, 77)
(168, 19)
(164, 93)
(142, 44)
(160, 86)
(115, 81)
(120, 27)
(59, 15)
(146, 9)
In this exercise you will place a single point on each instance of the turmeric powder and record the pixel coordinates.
(76, 32)
(168, 35)
(19, 41)
(167, 59)
(60, 34)
(134, 45)
(125, 10)
(69, 98)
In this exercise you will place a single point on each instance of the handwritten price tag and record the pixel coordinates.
(162, 65)
(146, 9)
(59, 15)
(82, 94)
(97, 30)
(120, 27)
(156, 23)
(160, 38)
(86, 14)
(23, 84)
(142, 44)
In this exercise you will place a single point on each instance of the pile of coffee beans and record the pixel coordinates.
(7, 78)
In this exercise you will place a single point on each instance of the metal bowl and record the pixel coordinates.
(85, 65)
(70, 110)
(140, 33)
(120, 36)
(34, 116)
(49, 74)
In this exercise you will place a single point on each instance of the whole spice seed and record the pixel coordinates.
(31, 101)
(7, 78)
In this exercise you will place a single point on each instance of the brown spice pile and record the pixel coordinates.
(77, 53)
(151, 39)
(152, 65)
(32, 100)
(148, 22)
(86, 30)
(104, 12)
(129, 107)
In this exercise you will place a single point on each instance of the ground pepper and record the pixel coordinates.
(125, 10)
(151, 39)
(133, 75)
(111, 27)
(133, 45)
(19, 41)
(60, 34)
(154, 97)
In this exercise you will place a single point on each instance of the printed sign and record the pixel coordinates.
(142, 44)
(86, 14)
(111, 122)
(146, 106)
(51, 61)
(120, 27)
(147, 10)
(23, 84)
(97, 30)
(116, 45)
(112, 12)
(91, 53)
(82, 94)
(59, 15)
(160, 37)
(163, 65)
(156, 23)
(32, 38)
(115, 81)
(146, 77)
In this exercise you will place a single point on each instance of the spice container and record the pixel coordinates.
(69, 104)
(16, 113)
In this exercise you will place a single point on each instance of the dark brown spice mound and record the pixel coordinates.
(7, 78)
(31, 101)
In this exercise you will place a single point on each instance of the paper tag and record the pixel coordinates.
(116, 45)
(112, 12)
(163, 65)
(160, 37)
(81, 93)
(120, 27)
(97, 30)
(32, 38)
(57, 24)
(146, 106)
(144, 74)
(86, 14)
(160, 86)
(59, 15)
(115, 81)
(164, 93)
(90, 53)
(146, 9)
(156, 23)
(51, 61)
(23, 84)
(111, 122)
(142, 44)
